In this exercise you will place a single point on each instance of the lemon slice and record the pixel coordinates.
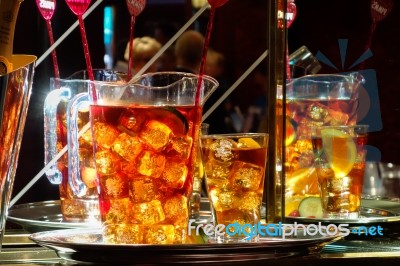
(340, 151)
(249, 143)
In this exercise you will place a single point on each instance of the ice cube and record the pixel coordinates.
(246, 176)
(127, 147)
(180, 146)
(149, 212)
(105, 134)
(223, 200)
(114, 186)
(131, 121)
(123, 234)
(180, 234)
(317, 112)
(216, 170)
(159, 234)
(222, 150)
(176, 209)
(105, 162)
(217, 176)
(339, 185)
(250, 201)
(151, 164)
(142, 189)
(120, 211)
(174, 174)
(156, 135)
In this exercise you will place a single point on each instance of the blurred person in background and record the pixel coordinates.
(143, 49)
(188, 51)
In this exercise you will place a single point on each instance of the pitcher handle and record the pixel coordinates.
(53, 99)
(74, 178)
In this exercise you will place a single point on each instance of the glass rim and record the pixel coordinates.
(357, 129)
(235, 135)
(342, 126)
(320, 77)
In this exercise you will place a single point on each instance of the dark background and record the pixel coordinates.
(240, 33)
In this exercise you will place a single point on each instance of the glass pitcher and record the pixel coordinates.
(75, 207)
(144, 135)
(313, 100)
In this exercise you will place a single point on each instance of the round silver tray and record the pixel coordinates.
(86, 245)
(43, 216)
(46, 215)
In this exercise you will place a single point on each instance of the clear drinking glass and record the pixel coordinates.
(15, 90)
(340, 164)
(235, 169)
(390, 178)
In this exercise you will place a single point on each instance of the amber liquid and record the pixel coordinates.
(341, 195)
(144, 172)
(235, 186)
(300, 177)
(84, 208)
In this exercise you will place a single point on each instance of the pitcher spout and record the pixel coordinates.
(173, 87)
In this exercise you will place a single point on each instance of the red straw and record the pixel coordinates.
(86, 48)
(53, 53)
(198, 108)
(79, 7)
(130, 62)
(135, 7)
(379, 10)
(47, 9)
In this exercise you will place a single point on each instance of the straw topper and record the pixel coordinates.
(135, 7)
(217, 3)
(46, 8)
(380, 9)
(79, 7)
(291, 12)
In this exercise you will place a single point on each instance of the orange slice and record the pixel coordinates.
(249, 143)
(340, 151)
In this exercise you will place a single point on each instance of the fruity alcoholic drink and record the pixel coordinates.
(316, 100)
(235, 169)
(340, 162)
(143, 135)
(143, 169)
